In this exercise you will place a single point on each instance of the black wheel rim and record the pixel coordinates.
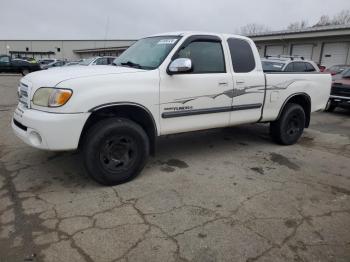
(118, 153)
(294, 125)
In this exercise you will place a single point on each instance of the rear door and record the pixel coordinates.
(249, 81)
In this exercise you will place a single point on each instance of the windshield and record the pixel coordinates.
(86, 61)
(147, 53)
(272, 66)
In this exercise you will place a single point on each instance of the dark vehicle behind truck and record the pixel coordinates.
(9, 65)
(340, 93)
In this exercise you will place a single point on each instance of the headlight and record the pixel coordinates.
(51, 97)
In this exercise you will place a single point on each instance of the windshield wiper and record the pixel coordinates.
(131, 64)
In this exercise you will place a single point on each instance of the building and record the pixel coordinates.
(63, 49)
(327, 45)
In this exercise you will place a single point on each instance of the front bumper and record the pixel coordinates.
(345, 100)
(48, 131)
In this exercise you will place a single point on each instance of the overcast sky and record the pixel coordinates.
(88, 19)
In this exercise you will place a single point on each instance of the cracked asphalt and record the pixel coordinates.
(220, 195)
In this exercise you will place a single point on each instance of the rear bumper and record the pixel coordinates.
(48, 131)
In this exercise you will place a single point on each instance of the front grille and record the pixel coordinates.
(23, 94)
(340, 90)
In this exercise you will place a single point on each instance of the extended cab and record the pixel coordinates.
(163, 84)
(9, 65)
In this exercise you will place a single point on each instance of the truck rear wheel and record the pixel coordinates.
(290, 126)
(115, 151)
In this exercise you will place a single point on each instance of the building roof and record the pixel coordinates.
(100, 49)
(72, 40)
(332, 30)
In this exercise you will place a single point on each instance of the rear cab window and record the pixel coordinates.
(243, 60)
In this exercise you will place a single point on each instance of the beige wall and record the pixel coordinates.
(317, 45)
(66, 46)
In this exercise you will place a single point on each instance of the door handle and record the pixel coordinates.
(223, 83)
(240, 82)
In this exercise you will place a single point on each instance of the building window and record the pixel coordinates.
(27, 49)
(58, 49)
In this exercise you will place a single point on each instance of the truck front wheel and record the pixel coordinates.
(290, 126)
(115, 151)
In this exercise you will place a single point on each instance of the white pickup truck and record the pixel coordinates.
(163, 84)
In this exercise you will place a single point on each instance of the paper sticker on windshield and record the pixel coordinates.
(167, 41)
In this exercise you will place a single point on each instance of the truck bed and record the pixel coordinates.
(280, 86)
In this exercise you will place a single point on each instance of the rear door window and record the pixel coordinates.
(299, 67)
(243, 60)
(296, 67)
(310, 67)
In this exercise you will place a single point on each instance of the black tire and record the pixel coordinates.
(330, 107)
(290, 126)
(115, 150)
(25, 71)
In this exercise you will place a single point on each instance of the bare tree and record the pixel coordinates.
(298, 25)
(323, 21)
(342, 18)
(253, 29)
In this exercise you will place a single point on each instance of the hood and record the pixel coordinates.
(52, 76)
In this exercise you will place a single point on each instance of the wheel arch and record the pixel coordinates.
(302, 99)
(133, 111)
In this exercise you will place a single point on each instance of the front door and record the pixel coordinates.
(201, 98)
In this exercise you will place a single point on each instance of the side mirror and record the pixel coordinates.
(180, 65)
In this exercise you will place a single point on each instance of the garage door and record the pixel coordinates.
(335, 54)
(274, 50)
(303, 50)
